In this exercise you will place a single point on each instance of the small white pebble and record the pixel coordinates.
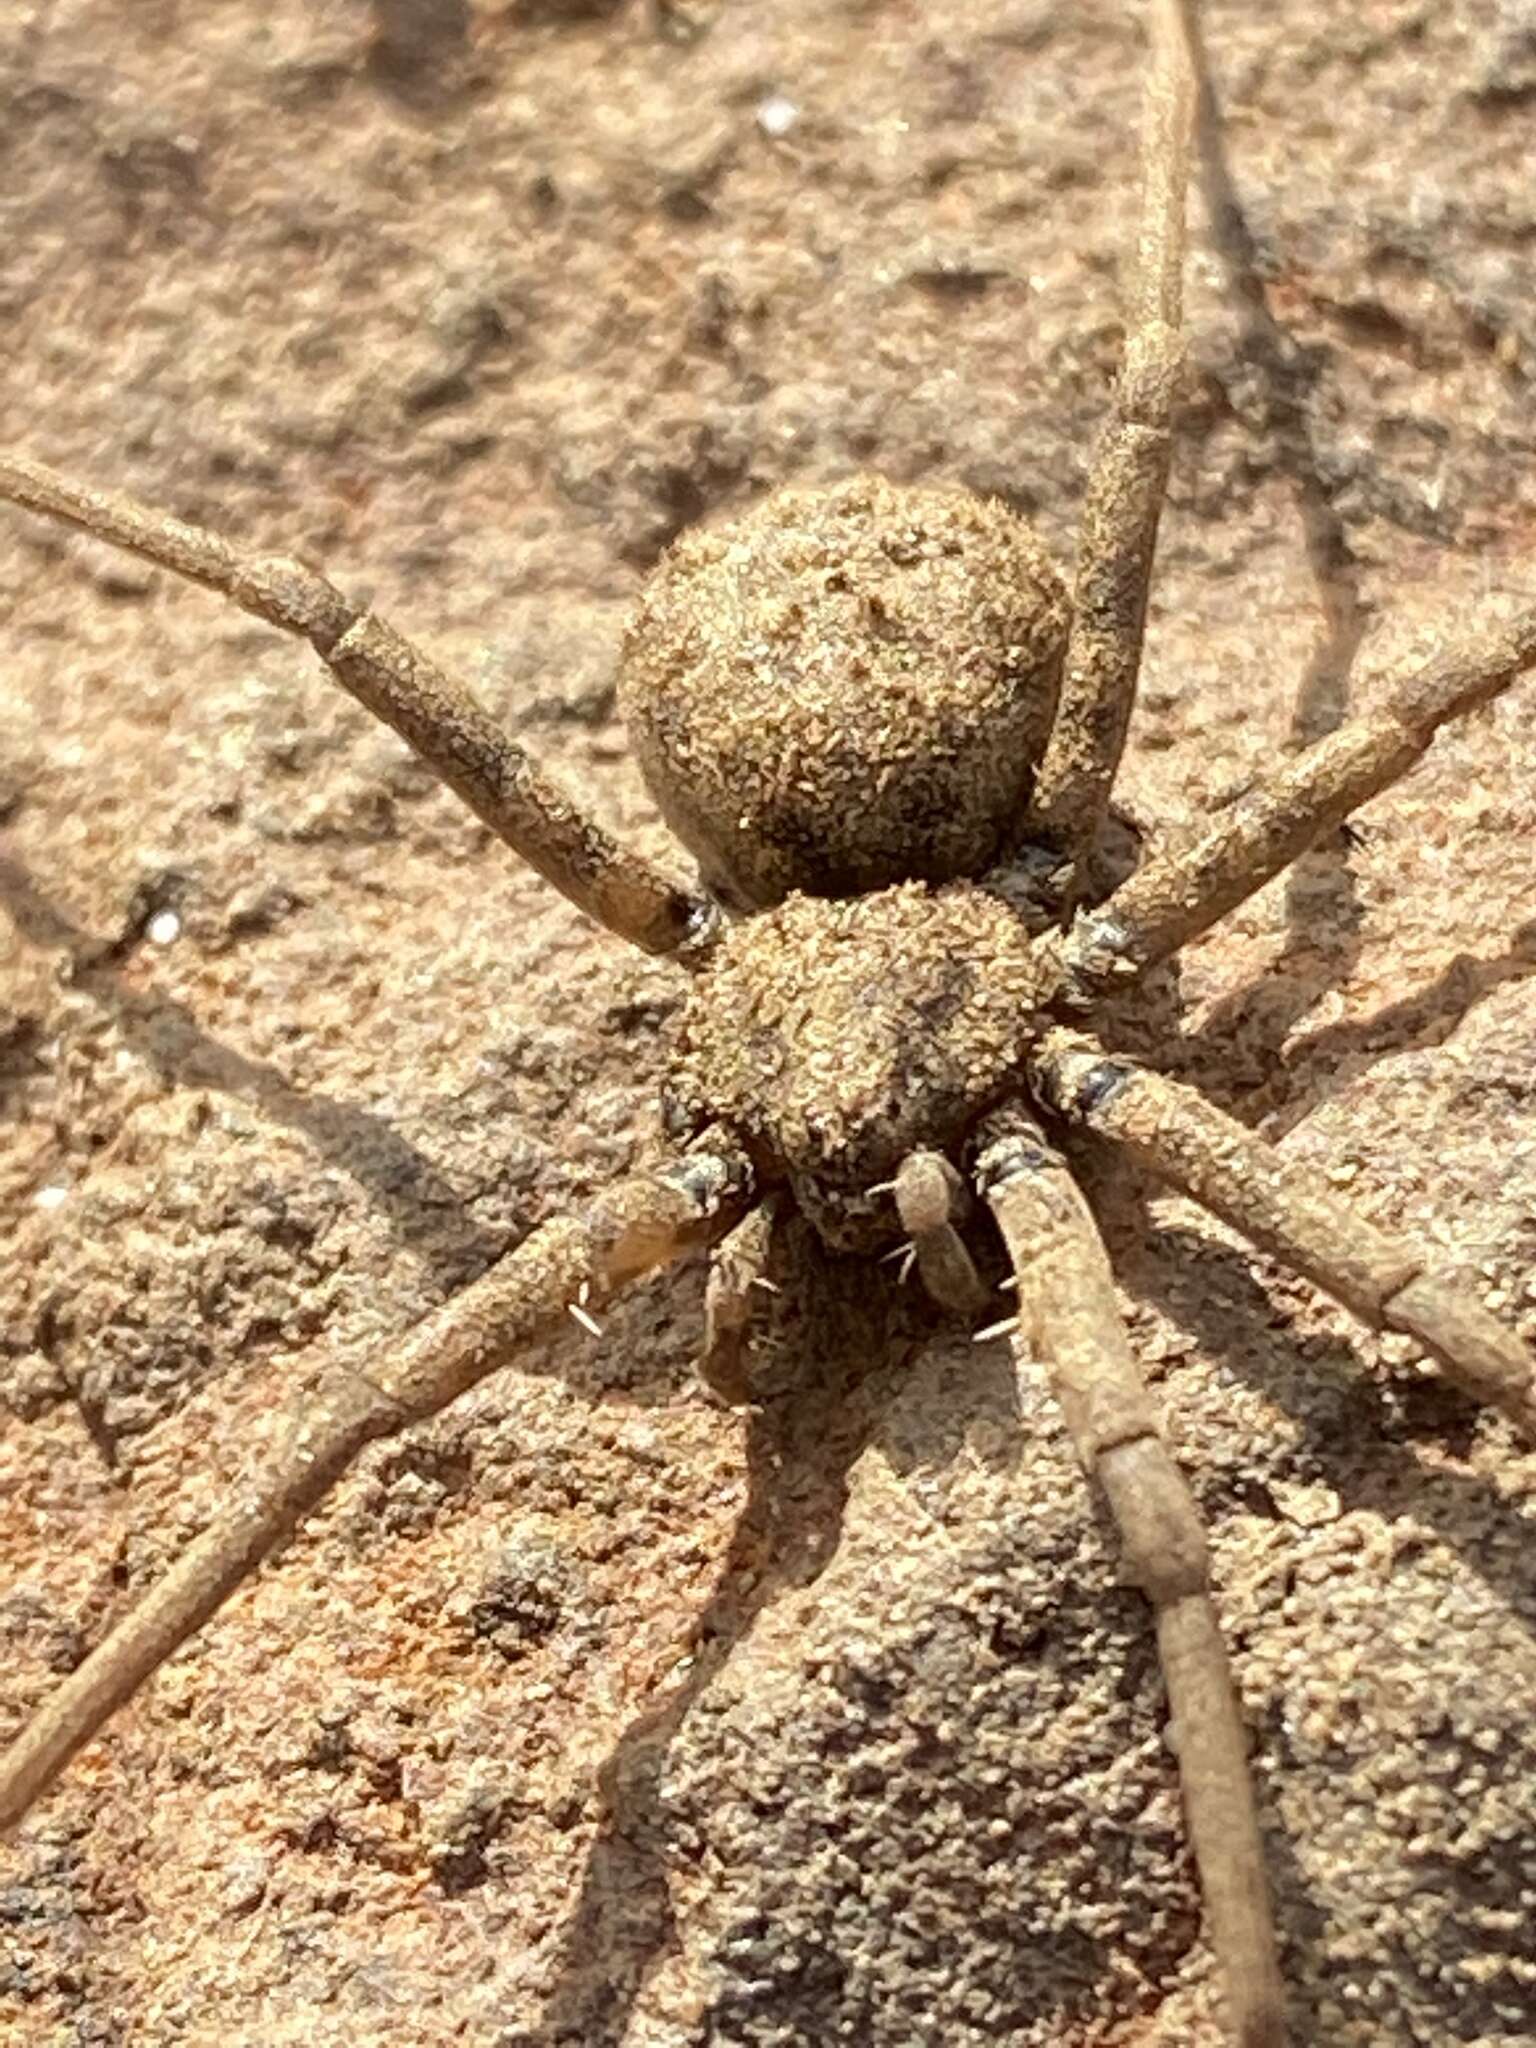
(51, 1197)
(776, 115)
(165, 928)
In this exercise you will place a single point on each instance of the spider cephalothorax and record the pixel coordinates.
(852, 705)
(837, 1037)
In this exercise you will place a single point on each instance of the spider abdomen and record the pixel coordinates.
(836, 1037)
(846, 688)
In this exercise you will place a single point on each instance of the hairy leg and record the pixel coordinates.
(434, 714)
(638, 1224)
(1176, 896)
(1068, 1315)
(1129, 479)
(1187, 1142)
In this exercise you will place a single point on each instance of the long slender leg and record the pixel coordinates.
(738, 1272)
(638, 1224)
(1129, 480)
(931, 1200)
(1176, 896)
(1184, 1140)
(1068, 1315)
(434, 714)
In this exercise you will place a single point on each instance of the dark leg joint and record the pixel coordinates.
(710, 1177)
(1010, 1145)
(1078, 1093)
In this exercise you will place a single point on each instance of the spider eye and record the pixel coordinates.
(846, 688)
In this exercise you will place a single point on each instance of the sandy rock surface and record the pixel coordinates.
(592, 1714)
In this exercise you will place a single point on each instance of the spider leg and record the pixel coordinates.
(738, 1271)
(1176, 895)
(1235, 1174)
(433, 713)
(1068, 1314)
(1129, 478)
(931, 1200)
(637, 1224)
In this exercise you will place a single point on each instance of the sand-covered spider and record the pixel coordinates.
(874, 1173)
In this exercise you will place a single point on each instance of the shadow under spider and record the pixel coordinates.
(1236, 1055)
(802, 1441)
(1368, 1459)
(1362, 1449)
(1368, 1456)
(423, 1206)
(1361, 1441)
(419, 53)
(1323, 913)
(1318, 1064)
(802, 1445)
(1426, 1017)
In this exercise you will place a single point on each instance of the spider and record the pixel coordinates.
(888, 1019)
